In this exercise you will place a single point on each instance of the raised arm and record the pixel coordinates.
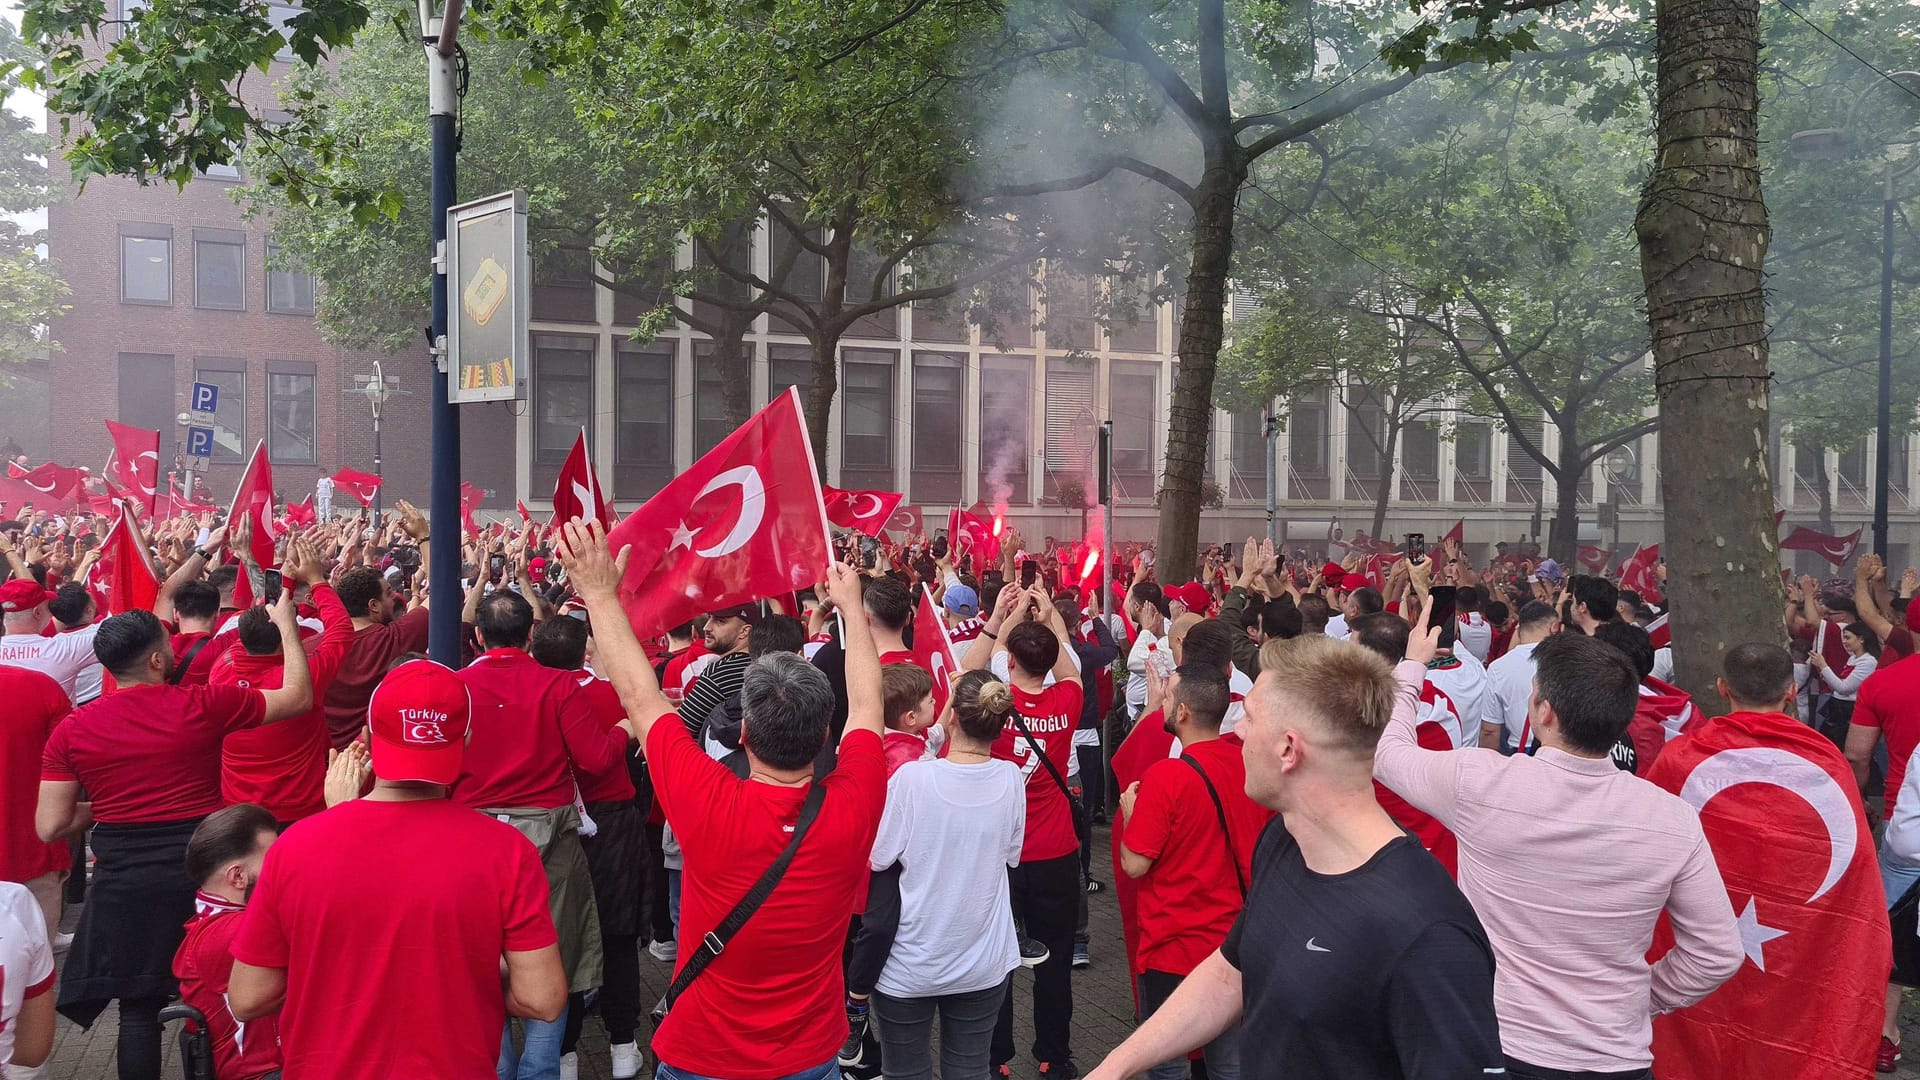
(190, 570)
(596, 572)
(977, 658)
(1429, 779)
(295, 695)
(865, 707)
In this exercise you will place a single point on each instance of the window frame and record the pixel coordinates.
(544, 381)
(868, 361)
(235, 241)
(292, 369)
(216, 370)
(313, 285)
(162, 234)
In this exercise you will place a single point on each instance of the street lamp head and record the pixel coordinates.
(1819, 144)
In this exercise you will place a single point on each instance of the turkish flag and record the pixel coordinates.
(123, 573)
(526, 516)
(932, 649)
(909, 520)
(360, 485)
(135, 464)
(1594, 560)
(744, 523)
(1372, 546)
(58, 486)
(253, 501)
(1659, 633)
(1781, 811)
(1835, 549)
(970, 532)
(1379, 565)
(862, 511)
(178, 504)
(301, 514)
(577, 492)
(470, 497)
(1641, 574)
(1457, 534)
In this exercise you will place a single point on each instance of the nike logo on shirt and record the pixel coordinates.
(1311, 947)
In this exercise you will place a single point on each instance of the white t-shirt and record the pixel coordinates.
(1337, 627)
(26, 960)
(1137, 670)
(1474, 635)
(1663, 663)
(1465, 684)
(954, 829)
(1509, 686)
(62, 657)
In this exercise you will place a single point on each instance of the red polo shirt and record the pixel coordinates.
(365, 664)
(151, 752)
(35, 703)
(1890, 700)
(616, 783)
(533, 731)
(1050, 715)
(283, 766)
(204, 966)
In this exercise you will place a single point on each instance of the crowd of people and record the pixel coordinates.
(1367, 818)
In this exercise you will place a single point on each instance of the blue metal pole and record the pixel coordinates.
(443, 622)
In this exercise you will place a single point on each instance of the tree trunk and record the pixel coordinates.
(1702, 226)
(1563, 535)
(1388, 473)
(820, 390)
(1825, 494)
(734, 357)
(1201, 328)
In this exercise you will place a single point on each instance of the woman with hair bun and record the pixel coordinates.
(954, 824)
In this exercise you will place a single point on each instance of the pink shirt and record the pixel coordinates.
(1569, 862)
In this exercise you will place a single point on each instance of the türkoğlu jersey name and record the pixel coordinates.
(1050, 715)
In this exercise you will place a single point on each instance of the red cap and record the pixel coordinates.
(23, 594)
(418, 718)
(1334, 575)
(1193, 594)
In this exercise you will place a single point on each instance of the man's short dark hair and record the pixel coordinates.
(1633, 643)
(1592, 687)
(1314, 613)
(683, 632)
(1498, 612)
(1599, 595)
(258, 635)
(1535, 613)
(1203, 690)
(888, 603)
(1366, 600)
(559, 643)
(69, 605)
(1758, 673)
(358, 589)
(196, 600)
(1033, 647)
(786, 709)
(504, 619)
(224, 579)
(1280, 620)
(226, 836)
(776, 633)
(124, 641)
(1209, 642)
(1149, 593)
(1466, 598)
(1382, 633)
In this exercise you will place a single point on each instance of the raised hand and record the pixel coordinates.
(591, 566)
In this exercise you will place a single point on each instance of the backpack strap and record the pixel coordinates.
(1220, 810)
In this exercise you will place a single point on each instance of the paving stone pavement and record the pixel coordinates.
(1103, 1006)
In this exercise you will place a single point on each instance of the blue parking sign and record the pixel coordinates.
(206, 398)
(199, 441)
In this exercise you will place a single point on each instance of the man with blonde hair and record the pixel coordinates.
(1355, 954)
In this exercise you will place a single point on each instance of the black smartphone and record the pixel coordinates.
(1029, 573)
(272, 586)
(869, 551)
(1416, 546)
(1443, 609)
(940, 543)
(496, 564)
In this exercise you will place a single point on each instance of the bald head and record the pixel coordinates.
(1177, 633)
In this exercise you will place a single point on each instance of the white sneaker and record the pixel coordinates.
(570, 1066)
(626, 1060)
(666, 951)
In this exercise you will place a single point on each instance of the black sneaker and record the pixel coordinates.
(1095, 885)
(1080, 957)
(1059, 1070)
(1032, 953)
(851, 1051)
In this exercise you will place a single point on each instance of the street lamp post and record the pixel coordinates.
(438, 36)
(1830, 144)
(377, 392)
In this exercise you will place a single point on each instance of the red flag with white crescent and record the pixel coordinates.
(932, 649)
(253, 501)
(122, 573)
(908, 520)
(969, 532)
(1835, 549)
(1641, 573)
(56, 487)
(862, 511)
(576, 490)
(743, 524)
(361, 485)
(1782, 813)
(136, 463)
(1594, 560)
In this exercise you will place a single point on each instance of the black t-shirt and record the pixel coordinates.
(1382, 972)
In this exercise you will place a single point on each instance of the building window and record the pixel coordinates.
(1421, 457)
(1473, 452)
(1366, 434)
(282, 15)
(1247, 456)
(1006, 427)
(228, 171)
(289, 292)
(1070, 423)
(220, 270)
(1070, 309)
(866, 403)
(1853, 466)
(1307, 432)
(643, 415)
(292, 431)
(789, 365)
(1133, 400)
(562, 394)
(796, 270)
(229, 423)
(146, 270)
(939, 381)
(709, 400)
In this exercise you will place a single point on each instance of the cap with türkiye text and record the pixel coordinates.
(24, 594)
(418, 720)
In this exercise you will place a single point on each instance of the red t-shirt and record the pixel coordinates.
(1190, 897)
(151, 752)
(1890, 701)
(390, 919)
(283, 766)
(772, 1004)
(898, 656)
(204, 966)
(365, 664)
(35, 703)
(674, 675)
(615, 783)
(532, 731)
(202, 665)
(1051, 715)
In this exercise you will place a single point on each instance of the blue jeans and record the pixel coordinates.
(539, 1058)
(1897, 875)
(673, 900)
(829, 1071)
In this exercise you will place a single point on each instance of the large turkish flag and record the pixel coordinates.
(862, 511)
(253, 501)
(932, 649)
(744, 523)
(576, 490)
(136, 463)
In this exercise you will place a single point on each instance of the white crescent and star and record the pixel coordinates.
(872, 509)
(753, 505)
(1789, 772)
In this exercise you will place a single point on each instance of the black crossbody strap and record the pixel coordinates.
(1220, 810)
(716, 940)
(180, 669)
(1041, 752)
